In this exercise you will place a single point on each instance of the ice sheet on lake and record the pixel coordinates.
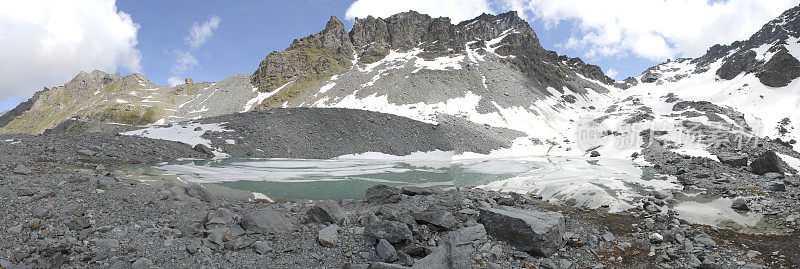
(571, 181)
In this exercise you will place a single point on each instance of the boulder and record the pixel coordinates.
(776, 186)
(392, 231)
(733, 160)
(767, 162)
(535, 232)
(594, 154)
(457, 250)
(267, 222)
(383, 194)
(439, 218)
(740, 204)
(326, 212)
(262, 247)
(386, 251)
(22, 170)
(203, 149)
(197, 191)
(413, 190)
(329, 236)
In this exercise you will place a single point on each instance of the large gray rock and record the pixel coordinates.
(392, 231)
(383, 194)
(535, 232)
(733, 160)
(740, 204)
(439, 218)
(767, 162)
(326, 212)
(329, 236)
(197, 191)
(457, 250)
(267, 222)
(386, 251)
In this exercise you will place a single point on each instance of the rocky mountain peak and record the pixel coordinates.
(767, 54)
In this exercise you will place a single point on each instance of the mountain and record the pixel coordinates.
(747, 89)
(102, 102)
(490, 70)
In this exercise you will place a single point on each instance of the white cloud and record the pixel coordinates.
(201, 32)
(612, 73)
(456, 10)
(46, 43)
(184, 59)
(653, 29)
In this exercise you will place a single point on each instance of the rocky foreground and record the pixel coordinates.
(61, 209)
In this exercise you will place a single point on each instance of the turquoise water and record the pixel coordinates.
(571, 181)
(325, 179)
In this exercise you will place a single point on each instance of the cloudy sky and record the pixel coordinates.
(46, 43)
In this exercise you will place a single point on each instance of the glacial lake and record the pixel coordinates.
(610, 184)
(590, 183)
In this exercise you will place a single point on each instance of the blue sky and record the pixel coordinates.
(152, 37)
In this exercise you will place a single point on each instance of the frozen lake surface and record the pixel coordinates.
(590, 183)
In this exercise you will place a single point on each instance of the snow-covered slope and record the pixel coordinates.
(490, 70)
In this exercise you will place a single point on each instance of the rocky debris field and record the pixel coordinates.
(91, 150)
(322, 133)
(54, 216)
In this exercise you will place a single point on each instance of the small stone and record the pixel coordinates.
(740, 204)
(25, 192)
(594, 154)
(392, 231)
(386, 251)
(776, 186)
(507, 201)
(87, 152)
(22, 170)
(752, 254)
(203, 149)
(142, 263)
(656, 238)
(15, 229)
(78, 224)
(329, 236)
(383, 194)
(705, 240)
(261, 247)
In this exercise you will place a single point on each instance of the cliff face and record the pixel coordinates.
(308, 62)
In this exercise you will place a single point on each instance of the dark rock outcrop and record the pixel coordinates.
(780, 70)
(738, 63)
(767, 162)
